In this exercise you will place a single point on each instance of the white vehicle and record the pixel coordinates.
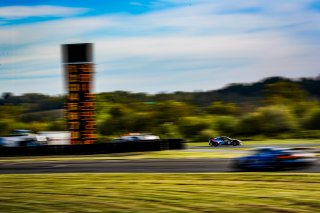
(27, 138)
(136, 137)
(56, 137)
(21, 137)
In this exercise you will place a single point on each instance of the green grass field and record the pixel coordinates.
(167, 154)
(220, 192)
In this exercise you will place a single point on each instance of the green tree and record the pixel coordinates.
(205, 134)
(268, 120)
(191, 127)
(171, 111)
(10, 111)
(284, 92)
(302, 108)
(220, 108)
(138, 122)
(168, 130)
(312, 120)
(6, 126)
(111, 127)
(226, 125)
(250, 124)
(57, 125)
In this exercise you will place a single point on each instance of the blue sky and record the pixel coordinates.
(158, 45)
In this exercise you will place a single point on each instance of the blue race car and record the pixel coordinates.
(223, 140)
(271, 158)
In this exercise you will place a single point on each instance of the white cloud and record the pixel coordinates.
(36, 85)
(18, 12)
(136, 3)
(182, 48)
(63, 31)
(243, 45)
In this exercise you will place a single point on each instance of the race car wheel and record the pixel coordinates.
(235, 143)
(215, 144)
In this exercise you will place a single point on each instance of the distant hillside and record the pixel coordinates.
(241, 93)
(238, 93)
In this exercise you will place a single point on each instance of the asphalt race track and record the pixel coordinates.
(105, 166)
(144, 165)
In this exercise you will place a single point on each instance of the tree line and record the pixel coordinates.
(273, 107)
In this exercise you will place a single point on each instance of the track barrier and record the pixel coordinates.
(97, 148)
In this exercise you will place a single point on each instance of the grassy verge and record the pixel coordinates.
(254, 192)
(168, 154)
